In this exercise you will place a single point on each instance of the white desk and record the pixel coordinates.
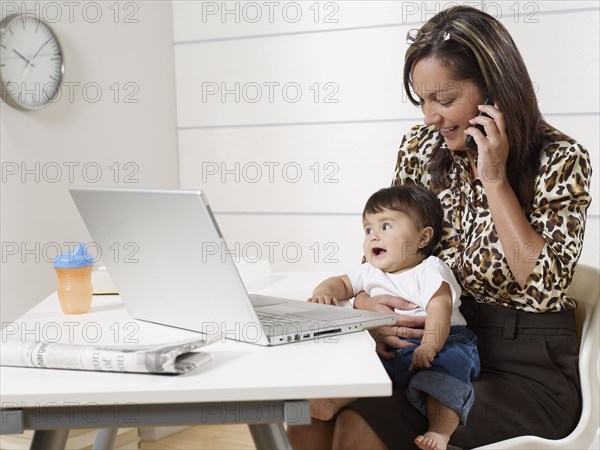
(245, 383)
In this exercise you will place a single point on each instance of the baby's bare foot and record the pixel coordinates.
(432, 441)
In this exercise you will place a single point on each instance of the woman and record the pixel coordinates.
(514, 212)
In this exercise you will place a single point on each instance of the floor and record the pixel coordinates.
(205, 437)
(221, 437)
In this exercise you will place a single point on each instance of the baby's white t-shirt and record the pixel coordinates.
(417, 285)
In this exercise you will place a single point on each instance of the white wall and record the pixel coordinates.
(115, 118)
(288, 173)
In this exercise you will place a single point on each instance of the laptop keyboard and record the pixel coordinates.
(273, 320)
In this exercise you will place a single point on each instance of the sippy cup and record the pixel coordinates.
(74, 273)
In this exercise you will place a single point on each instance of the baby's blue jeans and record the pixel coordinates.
(448, 379)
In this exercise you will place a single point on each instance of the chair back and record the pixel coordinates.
(585, 290)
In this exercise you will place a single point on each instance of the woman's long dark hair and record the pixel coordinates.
(481, 50)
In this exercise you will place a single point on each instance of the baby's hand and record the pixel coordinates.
(323, 297)
(423, 357)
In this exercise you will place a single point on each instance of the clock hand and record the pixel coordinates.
(35, 56)
(22, 57)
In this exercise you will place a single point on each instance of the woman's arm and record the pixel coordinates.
(521, 243)
(516, 235)
(542, 249)
(406, 326)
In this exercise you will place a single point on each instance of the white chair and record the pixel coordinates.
(585, 288)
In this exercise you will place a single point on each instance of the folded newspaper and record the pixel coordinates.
(173, 358)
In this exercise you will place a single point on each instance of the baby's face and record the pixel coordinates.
(392, 241)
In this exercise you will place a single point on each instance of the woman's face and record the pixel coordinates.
(447, 103)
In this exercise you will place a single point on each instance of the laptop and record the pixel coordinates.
(159, 249)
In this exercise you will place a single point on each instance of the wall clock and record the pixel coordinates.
(31, 62)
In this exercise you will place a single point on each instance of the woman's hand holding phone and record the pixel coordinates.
(470, 142)
(494, 145)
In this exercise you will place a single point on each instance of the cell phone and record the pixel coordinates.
(470, 142)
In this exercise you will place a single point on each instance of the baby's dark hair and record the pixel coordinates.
(419, 203)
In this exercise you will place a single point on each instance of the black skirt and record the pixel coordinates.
(529, 382)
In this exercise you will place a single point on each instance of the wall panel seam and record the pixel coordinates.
(351, 122)
(592, 217)
(366, 27)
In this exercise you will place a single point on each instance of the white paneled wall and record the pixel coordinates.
(290, 113)
(304, 168)
(197, 20)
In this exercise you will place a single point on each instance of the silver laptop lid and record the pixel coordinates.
(157, 246)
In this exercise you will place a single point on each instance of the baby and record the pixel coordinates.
(402, 226)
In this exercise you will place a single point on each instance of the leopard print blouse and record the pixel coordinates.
(470, 245)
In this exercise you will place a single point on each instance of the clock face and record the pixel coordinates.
(31, 62)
